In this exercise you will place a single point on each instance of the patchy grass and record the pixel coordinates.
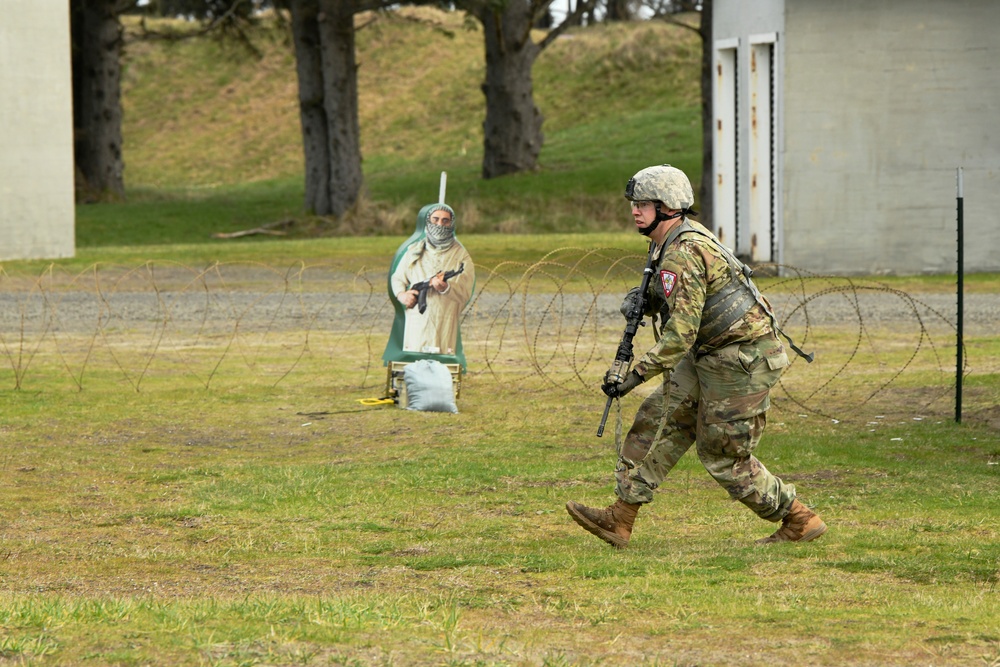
(266, 517)
(285, 524)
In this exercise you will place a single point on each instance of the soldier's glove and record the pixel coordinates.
(619, 389)
(630, 302)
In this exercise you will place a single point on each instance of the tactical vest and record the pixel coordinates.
(727, 306)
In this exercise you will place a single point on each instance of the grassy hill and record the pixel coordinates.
(212, 135)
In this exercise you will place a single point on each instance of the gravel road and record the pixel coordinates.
(560, 337)
(339, 310)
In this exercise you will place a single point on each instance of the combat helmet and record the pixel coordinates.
(662, 183)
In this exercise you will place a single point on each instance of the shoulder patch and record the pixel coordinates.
(669, 280)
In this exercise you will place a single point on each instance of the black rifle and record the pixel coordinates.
(425, 285)
(623, 358)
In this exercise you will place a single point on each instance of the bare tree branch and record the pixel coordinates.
(226, 21)
(667, 11)
(672, 21)
(581, 9)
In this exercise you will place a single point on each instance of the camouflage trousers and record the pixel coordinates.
(719, 401)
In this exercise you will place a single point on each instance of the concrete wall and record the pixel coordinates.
(37, 216)
(739, 18)
(882, 102)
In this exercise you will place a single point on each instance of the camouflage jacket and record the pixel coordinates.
(689, 271)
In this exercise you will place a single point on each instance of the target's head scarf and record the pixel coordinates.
(439, 236)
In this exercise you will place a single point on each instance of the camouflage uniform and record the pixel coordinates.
(715, 392)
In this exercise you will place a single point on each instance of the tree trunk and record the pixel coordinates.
(513, 126)
(340, 83)
(97, 111)
(618, 10)
(706, 190)
(312, 115)
(323, 31)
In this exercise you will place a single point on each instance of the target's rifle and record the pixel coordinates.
(424, 285)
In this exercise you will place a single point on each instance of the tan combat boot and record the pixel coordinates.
(799, 525)
(612, 524)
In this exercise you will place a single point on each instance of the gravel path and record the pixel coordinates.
(542, 340)
(83, 311)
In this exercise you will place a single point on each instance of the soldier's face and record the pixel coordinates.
(644, 213)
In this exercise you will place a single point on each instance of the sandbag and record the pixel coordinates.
(429, 387)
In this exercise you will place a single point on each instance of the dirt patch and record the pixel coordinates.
(989, 417)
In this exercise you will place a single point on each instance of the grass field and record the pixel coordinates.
(262, 524)
(268, 518)
(218, 496)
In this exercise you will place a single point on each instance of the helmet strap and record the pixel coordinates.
(660, 217)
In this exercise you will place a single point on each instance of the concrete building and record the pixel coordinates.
(37, 215)
(840, 127)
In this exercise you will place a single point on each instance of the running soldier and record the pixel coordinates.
(720, 355)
